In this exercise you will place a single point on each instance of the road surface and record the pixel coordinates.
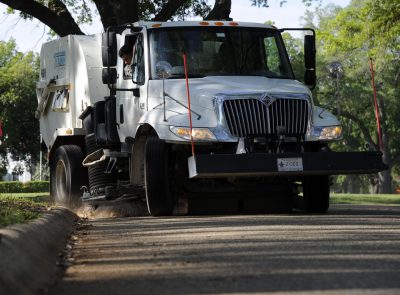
(350, 250)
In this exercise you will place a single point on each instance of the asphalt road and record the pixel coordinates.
(350, 250)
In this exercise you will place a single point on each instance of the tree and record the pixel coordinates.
(18, 75)
(363, 30)
(64, 17)
(294, 47)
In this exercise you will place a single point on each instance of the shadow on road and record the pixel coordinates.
(353, 249)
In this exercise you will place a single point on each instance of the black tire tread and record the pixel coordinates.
(158, 193)
(76, 176)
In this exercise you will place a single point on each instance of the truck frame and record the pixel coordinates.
(211, 111)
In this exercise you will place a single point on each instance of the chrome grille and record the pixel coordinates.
(251, 117)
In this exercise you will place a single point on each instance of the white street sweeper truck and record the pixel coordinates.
(203, 111)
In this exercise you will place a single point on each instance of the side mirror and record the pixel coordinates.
(309, 51)
(109, 49)
(310, 77)
(109, 76)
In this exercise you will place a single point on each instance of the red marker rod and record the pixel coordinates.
(188, 97)
(378, 122)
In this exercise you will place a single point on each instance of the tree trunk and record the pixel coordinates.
(385, 180)
(220, 11)
(354, 184)
(117, 12)
(169, 10)
(384, 185)
(385, 177)
(56, 16)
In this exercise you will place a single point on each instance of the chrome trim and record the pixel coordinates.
(255, 120)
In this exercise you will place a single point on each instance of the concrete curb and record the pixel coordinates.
(28, 252)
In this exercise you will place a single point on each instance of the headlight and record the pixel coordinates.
(199, 134)
(331, 132)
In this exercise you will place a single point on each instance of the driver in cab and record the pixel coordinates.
(125, 52)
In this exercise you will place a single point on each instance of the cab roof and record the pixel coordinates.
(154, 25)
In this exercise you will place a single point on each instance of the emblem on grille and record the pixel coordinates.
(267, 100)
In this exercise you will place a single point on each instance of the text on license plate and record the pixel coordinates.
(290, 164)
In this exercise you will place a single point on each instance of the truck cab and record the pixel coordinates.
(225, 62)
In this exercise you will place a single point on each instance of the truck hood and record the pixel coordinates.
(203, 90)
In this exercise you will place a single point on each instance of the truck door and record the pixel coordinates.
(132, 104)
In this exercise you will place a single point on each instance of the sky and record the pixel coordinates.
(30, 35)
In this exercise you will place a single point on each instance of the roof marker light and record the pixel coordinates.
(233, 24)
(156, 25)
(204, 23)
(219, 23)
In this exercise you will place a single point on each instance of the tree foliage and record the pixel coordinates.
(265, 3)
(18, 73)
(64, 16)
(294, 47)
(363, 30)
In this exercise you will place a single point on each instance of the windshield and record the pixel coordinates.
(220, 51)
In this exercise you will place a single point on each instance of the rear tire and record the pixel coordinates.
(159, 198)
(67, 176)
(316, 191)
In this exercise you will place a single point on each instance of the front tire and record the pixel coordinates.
(159, 197)
(316, 191)
(67, 176)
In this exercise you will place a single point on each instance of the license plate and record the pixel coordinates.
(290, 164)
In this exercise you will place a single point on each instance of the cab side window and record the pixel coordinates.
(138, 68)
(126, 53)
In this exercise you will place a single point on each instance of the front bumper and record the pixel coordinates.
(318, 163)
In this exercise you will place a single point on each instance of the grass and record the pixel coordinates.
(22, 207)
(365, 199)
